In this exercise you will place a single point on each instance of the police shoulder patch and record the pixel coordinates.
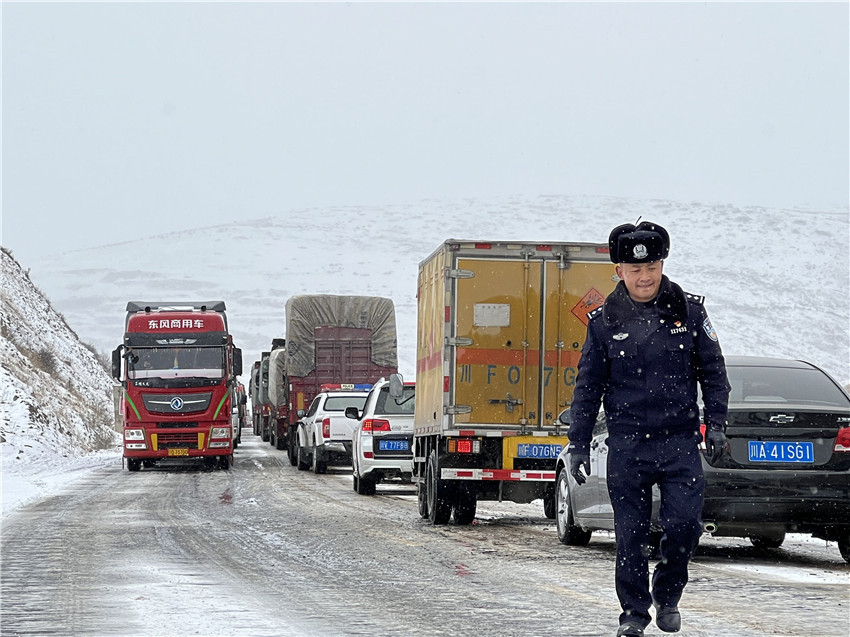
(695, 298)
(709, 329)
(594, 313)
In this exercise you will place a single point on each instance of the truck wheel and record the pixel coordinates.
(264, 430)
(271, 435)
(133, 464)
(279, 443)
(224, 462)
(290, 449)
(303, 461)
(439, 504)
(549, 505)
(464, 506)
(422, 500)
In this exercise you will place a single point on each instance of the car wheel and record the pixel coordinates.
(133, 464)
(365, 486)
(549, 505)
(767, 541)
(568, 532)
(439, 503)
(355, 480)
(316, 465)
(303, 461)
(844, 546)
(464, 505)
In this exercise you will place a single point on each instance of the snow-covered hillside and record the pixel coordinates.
(777, 282)
(56, 398)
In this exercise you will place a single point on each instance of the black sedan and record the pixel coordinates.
(787, 468)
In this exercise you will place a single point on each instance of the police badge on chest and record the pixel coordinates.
(678, 328)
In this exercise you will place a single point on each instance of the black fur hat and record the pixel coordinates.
(638, 244)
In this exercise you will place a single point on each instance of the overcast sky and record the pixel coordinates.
(122, 120)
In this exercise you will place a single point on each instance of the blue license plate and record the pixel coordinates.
(393, 445)
(538, 451)
(775, 451)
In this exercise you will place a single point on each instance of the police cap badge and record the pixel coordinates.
(640, 243)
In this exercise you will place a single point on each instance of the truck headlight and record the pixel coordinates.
(220, 432)
(134, 434)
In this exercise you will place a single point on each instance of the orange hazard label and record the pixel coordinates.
(589, 302)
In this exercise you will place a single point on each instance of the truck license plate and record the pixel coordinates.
(775, 451)
(538, 451)
(393, 445)
(178, 452)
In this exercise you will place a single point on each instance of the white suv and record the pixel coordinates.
(324, 433)
(382, 445)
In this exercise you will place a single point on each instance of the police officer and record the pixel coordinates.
(647, 348)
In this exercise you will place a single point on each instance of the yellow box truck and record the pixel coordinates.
(499, 334)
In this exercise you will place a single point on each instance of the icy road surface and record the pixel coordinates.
(265, 549)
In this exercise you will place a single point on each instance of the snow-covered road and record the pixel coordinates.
(265, 549)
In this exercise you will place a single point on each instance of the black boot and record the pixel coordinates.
(668, 619)
(630, 629)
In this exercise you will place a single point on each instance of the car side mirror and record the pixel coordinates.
(352, 412)
(396, 386)
(300, 413)
(564, 417)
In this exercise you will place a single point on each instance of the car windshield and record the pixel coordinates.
(175, 362)
(339, 403)
(388, 406)
(783, 385)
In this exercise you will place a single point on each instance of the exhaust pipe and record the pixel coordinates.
(709, 527)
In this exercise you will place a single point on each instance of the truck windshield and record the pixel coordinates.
(175, 362)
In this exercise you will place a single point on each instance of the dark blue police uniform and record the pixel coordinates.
(644, 361)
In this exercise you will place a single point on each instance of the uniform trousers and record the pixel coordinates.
(634, 465)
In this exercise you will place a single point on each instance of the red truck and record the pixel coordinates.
(329, 339)
(177, 366)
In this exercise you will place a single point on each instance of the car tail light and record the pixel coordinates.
(326, 428)
(376, 424)
(842, 440)
(368, 454)
(464, 445)
(702, 435)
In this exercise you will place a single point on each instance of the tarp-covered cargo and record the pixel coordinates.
(306, 312)
(277, 378)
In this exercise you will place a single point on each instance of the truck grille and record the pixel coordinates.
(175, 440)
(177, 403)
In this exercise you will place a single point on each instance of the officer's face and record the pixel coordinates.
(642, 279)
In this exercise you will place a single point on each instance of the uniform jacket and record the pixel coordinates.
(645, 365)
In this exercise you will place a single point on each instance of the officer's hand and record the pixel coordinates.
(578, 460)
(715, 444)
